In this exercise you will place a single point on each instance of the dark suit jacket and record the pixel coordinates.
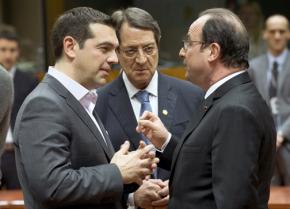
(179, 98)
(225, 158)
(61, 158)
(24, 83)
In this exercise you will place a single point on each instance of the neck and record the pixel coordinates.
(219, 73)
(276, 53)
(65, 68)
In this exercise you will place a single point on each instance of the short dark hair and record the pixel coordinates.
(137, 18)
(8, 33)
(226, 29)
(75, 23)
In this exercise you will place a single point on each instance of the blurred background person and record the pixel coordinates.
(24, 83)
(251, 15)
(6, 98)
(271, 74)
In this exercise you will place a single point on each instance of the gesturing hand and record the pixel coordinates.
(136, 165)
(152, 127)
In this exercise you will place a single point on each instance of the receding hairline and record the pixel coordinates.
(276, 17)
(225, 14)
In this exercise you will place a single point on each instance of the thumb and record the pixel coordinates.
(125, 148)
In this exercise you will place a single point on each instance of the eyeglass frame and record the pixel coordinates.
(188, 43)
(136, 52)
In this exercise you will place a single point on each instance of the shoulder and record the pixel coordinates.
(182, 86)
(257, 61)
(112, 86)
(5, 78)
(6, 85)
(25, 76)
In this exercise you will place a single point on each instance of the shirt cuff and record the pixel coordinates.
(165, 143)
(130, 202)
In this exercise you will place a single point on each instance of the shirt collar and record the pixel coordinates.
(152, 87)
(280, 59)
(220, 82)
(76, 89)
(12, 71)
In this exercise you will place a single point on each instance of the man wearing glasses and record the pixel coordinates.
(225, 158)
(140, 87)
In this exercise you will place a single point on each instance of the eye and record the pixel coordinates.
(130, 52)
(104, 49)
(148, 49)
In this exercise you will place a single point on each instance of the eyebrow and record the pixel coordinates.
(108, 44)
(143, 45)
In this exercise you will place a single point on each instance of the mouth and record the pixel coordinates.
(105, 71)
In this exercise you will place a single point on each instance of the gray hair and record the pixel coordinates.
(137, 18)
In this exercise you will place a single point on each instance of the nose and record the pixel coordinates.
(141, 57)
(182, 53)
(277, 34)
(113, 59)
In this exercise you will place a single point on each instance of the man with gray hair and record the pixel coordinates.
(6, 100)
(225, 158)
(141, 87)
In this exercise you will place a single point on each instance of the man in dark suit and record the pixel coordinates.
(172, 99)
(24, 83)
(271, 74)
(226, 156)
(64, 156)
(6, 95)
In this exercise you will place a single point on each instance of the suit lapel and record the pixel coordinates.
(205, 108)
(75, 105)
(124, 111)
(105, 133)
(166, 101)
(202, 110)
(263, 75)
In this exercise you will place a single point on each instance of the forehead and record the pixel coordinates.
(103, 34)
(277, 23)
(195, 28)
(7, 42)
(131, 36)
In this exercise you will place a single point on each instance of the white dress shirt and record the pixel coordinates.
(213, 87)
(77, 90)
(152, 89)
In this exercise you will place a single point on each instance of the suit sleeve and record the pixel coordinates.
(6, 99)
(43, 137)
(166, 156)
(235, 153)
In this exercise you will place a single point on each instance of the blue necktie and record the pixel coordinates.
(143, 98)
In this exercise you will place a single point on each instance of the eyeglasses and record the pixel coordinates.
(132, 52)
(189, 43)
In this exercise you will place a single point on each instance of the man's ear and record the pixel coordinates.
(214, 52)
(265, 35)
(69, 46)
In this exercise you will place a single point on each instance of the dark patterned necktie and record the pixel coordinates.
(274, 81)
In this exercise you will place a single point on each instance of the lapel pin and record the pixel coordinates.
(164, 112)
